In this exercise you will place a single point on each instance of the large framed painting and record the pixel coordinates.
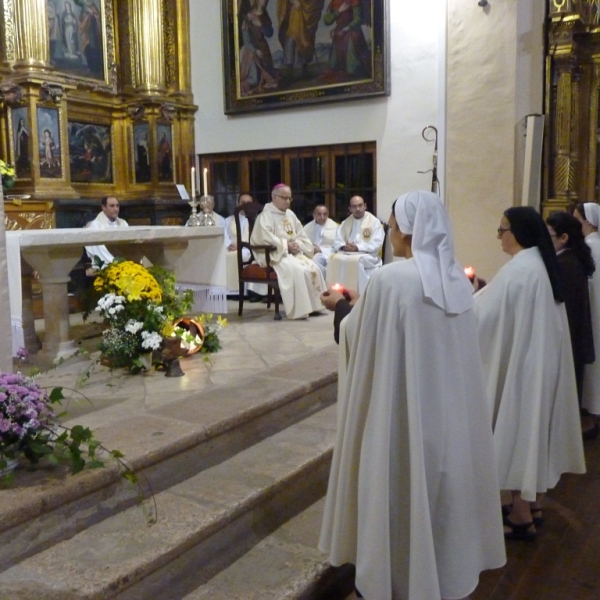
(164, 153)
(49, 143)
(141, 153)
(90, 153)
(81, 37)
(21, 148)
(279, 53)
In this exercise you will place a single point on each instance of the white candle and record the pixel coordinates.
(193, 182)
(205, 180)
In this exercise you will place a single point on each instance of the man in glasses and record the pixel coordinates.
(300, 279)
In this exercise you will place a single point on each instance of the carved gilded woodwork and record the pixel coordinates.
(145, 79)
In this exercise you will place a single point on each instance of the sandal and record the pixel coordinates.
(522, 532)
(537, 516)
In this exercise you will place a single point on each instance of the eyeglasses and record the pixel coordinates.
(501, 230)
(288, 198)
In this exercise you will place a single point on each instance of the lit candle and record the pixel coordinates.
(470, 273)
(193, 182)
(205, 181)
(338, 287)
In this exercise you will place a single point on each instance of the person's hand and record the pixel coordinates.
(345, 6)
(316, 249)
(350, 247)
(351, 295)
(330, 298)
(232, 246)
(293, 248)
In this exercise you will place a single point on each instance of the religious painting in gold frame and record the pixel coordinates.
(49, 145)
(141, 153)
(164, 153)
(21, 141)
(81, 38)
(281, 54)
(90, 152)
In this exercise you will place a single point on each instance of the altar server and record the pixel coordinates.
(357, 247)
(528, 366)
(413, 495)
(300, 279)
(588, 214)
(321, 231)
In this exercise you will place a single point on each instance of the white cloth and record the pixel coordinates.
(423, 216)
(592, 213)
(300, 280)
(6, 307)
(530, 378)
(413, 498)
(322, 236)
(353, 269)
(103, 222)
(591, 373)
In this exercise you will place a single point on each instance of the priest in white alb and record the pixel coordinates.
(357, 247)
(108, 218)
(413, 496)
(300, 279)
(321, 232)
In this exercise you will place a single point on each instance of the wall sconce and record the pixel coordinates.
(482, 3)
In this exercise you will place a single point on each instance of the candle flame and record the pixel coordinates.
(470, 272)
(337, 287)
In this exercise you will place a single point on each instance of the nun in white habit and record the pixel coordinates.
(413, 496)
(588, 214)
(528, 365)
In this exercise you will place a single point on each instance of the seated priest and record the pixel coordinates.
(108, 218)
(255, 290)
(300, 279)
(357, 247)
(321, 232)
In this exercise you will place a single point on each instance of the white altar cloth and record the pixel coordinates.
(196, 254)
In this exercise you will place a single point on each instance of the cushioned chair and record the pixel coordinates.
(249, 271)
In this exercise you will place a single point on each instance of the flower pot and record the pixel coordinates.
(195, 329)
(11, 465)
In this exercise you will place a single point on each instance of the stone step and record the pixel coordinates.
(166, 444)
(204, 524)
(286, 565)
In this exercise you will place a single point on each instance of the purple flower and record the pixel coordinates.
(22, 353)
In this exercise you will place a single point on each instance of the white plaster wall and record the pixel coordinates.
(494, 79)
(394, 122)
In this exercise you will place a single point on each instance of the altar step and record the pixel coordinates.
(225, 506)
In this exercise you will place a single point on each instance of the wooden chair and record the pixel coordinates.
(249, 271)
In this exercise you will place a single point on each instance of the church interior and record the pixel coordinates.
(128, 98)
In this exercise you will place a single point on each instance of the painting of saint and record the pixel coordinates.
(293, 52)
(165, 153)
(21, 139)
(76, 36)
(49, 142)
(141, 152)
(90, 153)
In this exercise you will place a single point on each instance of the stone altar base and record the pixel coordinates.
(237, 454)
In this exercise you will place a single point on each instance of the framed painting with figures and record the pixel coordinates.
(90, 153)
(279, 53)
(49, 143)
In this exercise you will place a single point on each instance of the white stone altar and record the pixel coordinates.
(197, 253)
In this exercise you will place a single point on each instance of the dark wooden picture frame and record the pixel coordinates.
(49, 143)
(90, 152)
(277, 55)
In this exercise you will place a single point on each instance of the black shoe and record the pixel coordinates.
(254, 297)
(525, 532)
(591, 433)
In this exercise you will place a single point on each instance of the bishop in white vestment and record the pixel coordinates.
(300, 279)
(357, 248)
(413, 496)
(107, 219)
(590, 221)
(321, 232)
(528, 365)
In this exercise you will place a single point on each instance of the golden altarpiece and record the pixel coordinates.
(572, 149)
(95, 99)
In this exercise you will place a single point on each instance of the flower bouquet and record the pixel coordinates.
(132, 308)
(212, 329)
(30, 427)
(8, 175)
